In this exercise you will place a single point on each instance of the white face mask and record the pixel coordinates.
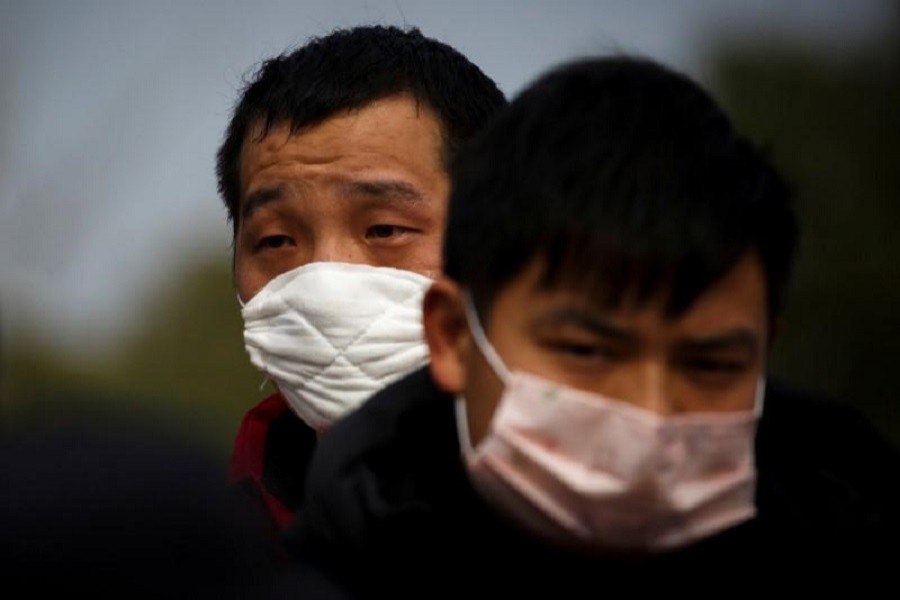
(579, 467)
(332, 334)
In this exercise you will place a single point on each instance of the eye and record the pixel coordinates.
(714, 367)
(383, 232)
(390, 235)
(714, 373)
(581, 350)
(273, 242)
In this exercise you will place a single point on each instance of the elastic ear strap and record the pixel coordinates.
(481, 341)
(760, 395)
(462, 426)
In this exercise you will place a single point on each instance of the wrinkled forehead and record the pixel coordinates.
(263, 124)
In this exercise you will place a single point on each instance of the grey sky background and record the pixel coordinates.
(111, 113)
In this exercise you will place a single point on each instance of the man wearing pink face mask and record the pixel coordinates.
(596, 412)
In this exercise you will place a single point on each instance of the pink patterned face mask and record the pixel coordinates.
(579, 467)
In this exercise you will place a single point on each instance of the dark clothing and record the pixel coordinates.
(108, 505)
(389, 506)
(270, 457)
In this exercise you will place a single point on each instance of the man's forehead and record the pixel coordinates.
(743, 285)
(396, 127)
(265, 125)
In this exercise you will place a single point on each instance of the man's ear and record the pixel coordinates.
(447, 334)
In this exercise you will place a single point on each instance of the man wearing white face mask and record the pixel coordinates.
(333, 170)
(596, 415)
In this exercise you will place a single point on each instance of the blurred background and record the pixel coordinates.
(115, 286)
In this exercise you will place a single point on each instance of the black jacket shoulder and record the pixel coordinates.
(387, 487)
(366, 472)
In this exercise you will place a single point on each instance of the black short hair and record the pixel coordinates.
(348, 69)
(623, 175)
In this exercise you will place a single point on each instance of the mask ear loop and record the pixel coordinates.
(760, 396)
(462, 426)
(493, 359)
(481, 341)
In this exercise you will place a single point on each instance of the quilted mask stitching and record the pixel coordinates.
(363, 333)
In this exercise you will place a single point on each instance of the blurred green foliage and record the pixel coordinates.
(185, 367)
(833, 129)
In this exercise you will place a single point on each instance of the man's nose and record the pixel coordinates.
(650, 388)
(332, 248)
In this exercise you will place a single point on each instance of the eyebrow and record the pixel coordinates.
(579, 318)
(381, 191)
(259, 198)
(739, 339)
(389, 191)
